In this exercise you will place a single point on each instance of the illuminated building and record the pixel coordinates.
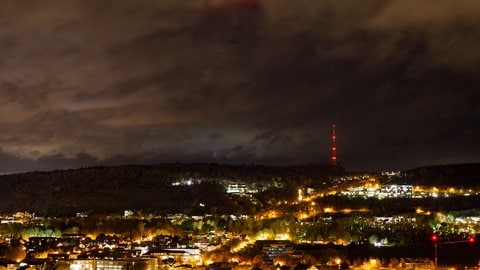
(274, 248)
(380, 192)
(117, 264)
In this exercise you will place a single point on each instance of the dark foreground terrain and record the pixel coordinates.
(449, 255)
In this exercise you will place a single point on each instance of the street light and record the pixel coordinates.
(338, 261)
(471, 239)
(435, 242)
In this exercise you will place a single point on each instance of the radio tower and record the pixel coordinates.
(334, 146)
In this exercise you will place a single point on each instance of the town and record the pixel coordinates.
(339, 224)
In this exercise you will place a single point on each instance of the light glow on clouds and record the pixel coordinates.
(84, 83)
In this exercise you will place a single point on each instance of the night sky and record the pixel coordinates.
(86, 83)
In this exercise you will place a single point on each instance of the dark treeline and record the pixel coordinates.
(164, 174)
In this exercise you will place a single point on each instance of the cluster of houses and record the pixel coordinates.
(77, 252)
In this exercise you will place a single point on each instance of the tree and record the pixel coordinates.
(15, 252)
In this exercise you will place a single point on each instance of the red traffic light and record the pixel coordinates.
(434, 237)
(471, 239)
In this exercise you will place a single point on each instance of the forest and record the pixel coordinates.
(145, 188)
(149, 189)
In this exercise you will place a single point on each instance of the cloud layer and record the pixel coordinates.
(108, 82)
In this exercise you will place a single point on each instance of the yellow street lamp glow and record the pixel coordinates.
(328, 210)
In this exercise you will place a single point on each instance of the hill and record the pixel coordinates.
(142, 187)
(452, 175)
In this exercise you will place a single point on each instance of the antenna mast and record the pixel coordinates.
(334, 146)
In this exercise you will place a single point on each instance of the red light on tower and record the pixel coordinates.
(334, 146)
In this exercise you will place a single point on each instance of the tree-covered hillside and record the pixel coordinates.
(144, 188)
(454, 175)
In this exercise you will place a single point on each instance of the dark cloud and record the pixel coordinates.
(238, 81)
